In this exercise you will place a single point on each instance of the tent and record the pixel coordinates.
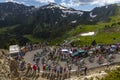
(79, 52)
(14, 49)
(66, 51)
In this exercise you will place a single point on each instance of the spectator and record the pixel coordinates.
(34, 67)
(85, 70)
(28, 67)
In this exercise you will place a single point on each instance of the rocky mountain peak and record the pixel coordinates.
(54, 5)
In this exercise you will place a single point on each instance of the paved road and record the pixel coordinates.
(30, 55)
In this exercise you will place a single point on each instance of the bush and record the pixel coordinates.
(113, 75)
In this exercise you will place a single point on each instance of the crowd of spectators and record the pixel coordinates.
(59, 60)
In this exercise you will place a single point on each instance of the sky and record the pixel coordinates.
(85, 5)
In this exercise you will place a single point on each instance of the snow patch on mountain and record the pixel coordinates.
(73, 12)
(63, 15)
(106, 6)
(56, 22)
(92, 16)
(53, 5)
(74, 21)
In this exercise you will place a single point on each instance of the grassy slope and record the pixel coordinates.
(37, 40)
(5, 29)
(32, 38)
(108, 35)
(103, 34)
(113, 75)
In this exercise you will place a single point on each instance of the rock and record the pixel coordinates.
(25, 78)
(4, 66)
(8, 66)
(14, 68)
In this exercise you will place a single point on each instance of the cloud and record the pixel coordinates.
(9, 0)
(23, 1)
(74, 3)
(45, 1)
(15, 1)
(104, 2)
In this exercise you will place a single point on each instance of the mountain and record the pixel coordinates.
(13, 13)
(105, 12)
(53, 18)
(47, 22)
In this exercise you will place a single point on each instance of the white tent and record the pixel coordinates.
(63, 50)
(14, 49)
(66, 50)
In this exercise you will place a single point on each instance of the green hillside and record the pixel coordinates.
(113, 75)
(55, 25)
(107, 33)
